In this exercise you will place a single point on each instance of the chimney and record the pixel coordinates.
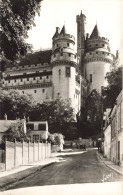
(5, 116)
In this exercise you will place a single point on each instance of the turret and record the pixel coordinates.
(64, 62)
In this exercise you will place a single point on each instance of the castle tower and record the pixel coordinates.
(81, 19)
(98, 60)
(64, 62)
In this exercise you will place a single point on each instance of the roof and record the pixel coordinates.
(37, 58)
(95, 32)
(4, 124)
(63, 30)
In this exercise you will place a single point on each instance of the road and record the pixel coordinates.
(72, 169)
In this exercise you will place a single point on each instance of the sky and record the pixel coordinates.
(55, 13)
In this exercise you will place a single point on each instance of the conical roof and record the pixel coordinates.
(95, 32)
(63, 30)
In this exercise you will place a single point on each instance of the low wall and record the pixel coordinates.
(17, 153)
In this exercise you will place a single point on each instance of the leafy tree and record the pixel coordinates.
(114, 87)
(17, 17)
(91, 119)
(15, 131)
(14, 104)
(58, 113)
(56, 138)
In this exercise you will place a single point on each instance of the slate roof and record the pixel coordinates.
(4, 124)
(39, 57)
(95, 33)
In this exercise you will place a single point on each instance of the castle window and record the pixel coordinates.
(15, 80)
(40, 77)
(89, 45)
(61, 54)
(44, 71)
(96, 52)
(9, 81)
(69, 54)
(35, 91)
(54, 55)
(21, 80)
(27, 79)
(90, 78)
(37, 71)
(67, 71)
(23, 92)
(59, 72)
(75, 56)
(103, 45)
(90, 53)
(57, 45)
(34, 78)
(24, 73)
(68, 44)
(47, 77)
(96, 44)
(102, 52)
(43, 90)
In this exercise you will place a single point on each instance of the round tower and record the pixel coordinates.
(64, 62)
(98, 60)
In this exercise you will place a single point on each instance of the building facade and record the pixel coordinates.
(61, 72)
(113, 133)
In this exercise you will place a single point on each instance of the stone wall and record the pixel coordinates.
(17, 153)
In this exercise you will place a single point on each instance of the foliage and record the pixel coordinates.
(56, 138)
(17, 17)
(91, 119)
(16, 131)
(114, 87)
(14, 104)
(57, 113)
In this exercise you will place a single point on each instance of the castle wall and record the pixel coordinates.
(97, 70)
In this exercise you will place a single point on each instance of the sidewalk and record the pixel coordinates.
(16, 174)
(110, 164)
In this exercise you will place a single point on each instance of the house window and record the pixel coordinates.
(42, 127)
(35, 91)
(36, 138)
(30, 126)
(43, 90)
(90, 78)
(67, 71)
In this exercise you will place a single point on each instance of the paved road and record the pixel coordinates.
(72, 169)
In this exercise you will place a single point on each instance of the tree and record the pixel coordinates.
(15, 131)
(17, 17)
(14, 105)
(56, 138)
(91, 119)
(114, 87)
(58, 113)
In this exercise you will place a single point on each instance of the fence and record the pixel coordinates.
(17, 153)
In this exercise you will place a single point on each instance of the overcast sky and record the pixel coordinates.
(107, 14)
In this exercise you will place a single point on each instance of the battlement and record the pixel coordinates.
(64, 36)
(64, 56)
(97, 38)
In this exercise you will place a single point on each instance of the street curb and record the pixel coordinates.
(109, 165)
(8, 180)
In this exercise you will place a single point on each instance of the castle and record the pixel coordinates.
(62, 73)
